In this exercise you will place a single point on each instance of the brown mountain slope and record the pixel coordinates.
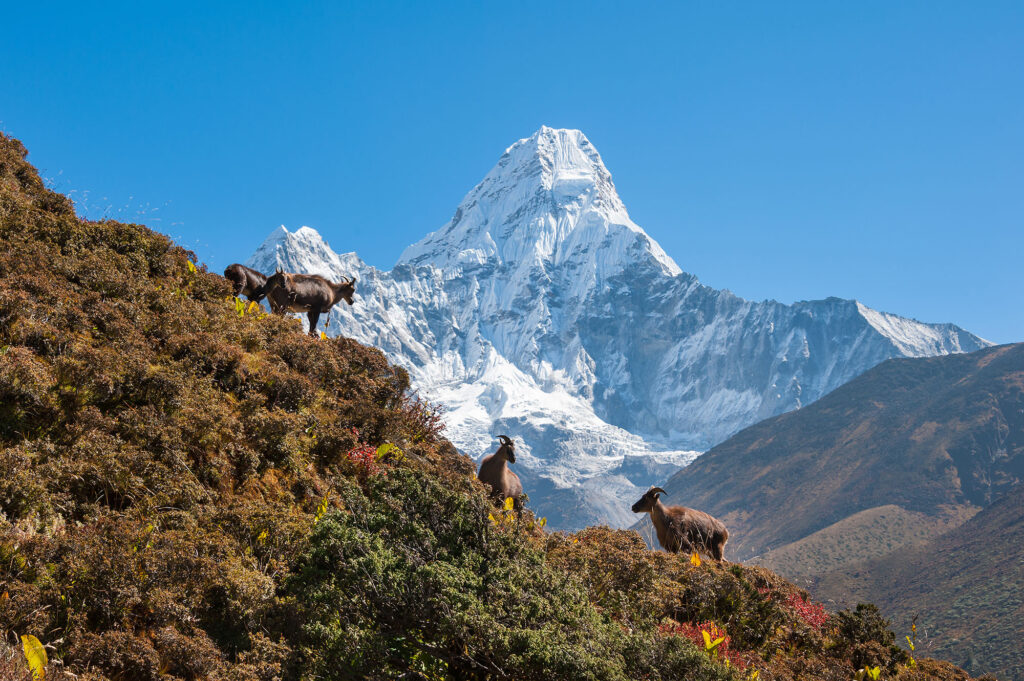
(921, 434)
(860, 537)
(967, 586)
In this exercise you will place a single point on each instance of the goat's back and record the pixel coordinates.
(303, 292)
(697, 526)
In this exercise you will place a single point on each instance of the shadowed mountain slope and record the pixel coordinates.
(921, 434)
(902, 487)
(966, 586)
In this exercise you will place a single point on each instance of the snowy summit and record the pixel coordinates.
(549, 200)
(541, 311)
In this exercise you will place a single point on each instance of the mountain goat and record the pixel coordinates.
(309, 293)
(682, 529)
(246, 281)
(495, 473)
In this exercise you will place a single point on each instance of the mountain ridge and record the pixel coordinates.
(965, 585)
(829, 450)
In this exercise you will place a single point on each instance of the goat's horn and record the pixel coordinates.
(278, 270)
(505, 439)
(658, 490)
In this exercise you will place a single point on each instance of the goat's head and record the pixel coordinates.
(648, 500)
(348, 289)
(508, 448)
(278, 278)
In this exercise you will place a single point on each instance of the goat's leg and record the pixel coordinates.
(314, 317)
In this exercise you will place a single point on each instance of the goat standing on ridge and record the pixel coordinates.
(246, 281)
(683, 529)
(309, 293)
(495, 473)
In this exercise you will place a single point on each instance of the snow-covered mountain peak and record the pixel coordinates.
(549, 201)
(542, 311)
(562, 160)
(303, 250)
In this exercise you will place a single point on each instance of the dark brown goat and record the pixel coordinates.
(309, 293)
(494, 472)
(246, 281)
(682, 529)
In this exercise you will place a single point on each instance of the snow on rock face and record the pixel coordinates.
(543, 312)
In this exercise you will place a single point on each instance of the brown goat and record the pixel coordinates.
(246, 281)
(682, 529)
(494, 472)
(309, 293)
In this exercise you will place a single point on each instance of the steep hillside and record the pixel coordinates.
(190, 489)
(934, 436)
(966, 586)
(543, 311)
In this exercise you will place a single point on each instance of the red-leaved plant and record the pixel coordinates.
(364, 456)
(696, 633)
(811, 613)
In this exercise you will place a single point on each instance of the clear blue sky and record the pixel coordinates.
(782, 150)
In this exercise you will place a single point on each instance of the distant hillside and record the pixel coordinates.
(926, 435)
(967, 586)
(859, 537)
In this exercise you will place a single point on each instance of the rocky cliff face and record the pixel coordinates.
(542, 311)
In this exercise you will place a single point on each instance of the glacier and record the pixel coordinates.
(542, 311)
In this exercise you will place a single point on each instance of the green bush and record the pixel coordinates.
(864, 637)
(413, 577)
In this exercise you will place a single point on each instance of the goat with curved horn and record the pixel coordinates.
(309, 293)
(494, 472)
(682, 529)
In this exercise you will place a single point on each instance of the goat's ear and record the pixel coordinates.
(278, 270)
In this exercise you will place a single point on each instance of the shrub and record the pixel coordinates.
(864, 637)
(427, 585)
